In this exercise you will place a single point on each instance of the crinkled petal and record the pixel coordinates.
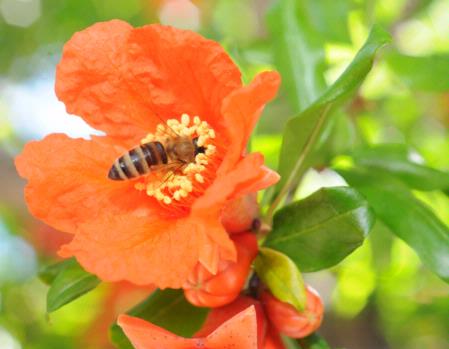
(249, 173)
(241, 111)
(179, 71)
(138, 248)
(92, 80)
(67, 180)
(124, 81)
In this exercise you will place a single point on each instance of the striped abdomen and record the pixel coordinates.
(138, 161)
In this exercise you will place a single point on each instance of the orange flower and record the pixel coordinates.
(126, 81)
(239, 332)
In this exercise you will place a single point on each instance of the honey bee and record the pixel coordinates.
(148, 157)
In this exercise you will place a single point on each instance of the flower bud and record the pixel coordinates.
(273, 339)
(205, 289)
(239, 214)
(289, 321)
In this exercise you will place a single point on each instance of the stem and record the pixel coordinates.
(298, 170)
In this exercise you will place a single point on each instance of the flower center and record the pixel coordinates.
(179, 180)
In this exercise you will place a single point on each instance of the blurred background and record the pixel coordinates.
(380, 296)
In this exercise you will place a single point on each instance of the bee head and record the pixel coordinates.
(198, 150)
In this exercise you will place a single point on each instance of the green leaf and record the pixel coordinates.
(314, 341)
(290, 343)
(395, 159)
(281, 276)
(303, 131)
(321, 230)
(71, 283)
(407, 217)
(425, 73)
(298, 52)
(49, 273)
(168, 309)
(329, 17)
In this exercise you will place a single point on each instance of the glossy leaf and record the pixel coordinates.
(71, 283)
(168, 309)
(407, 217)
(49, 273)
(425, 73)
(303, 131)
(298, 52)
(396, 159)
(321, 230)
(281, 276)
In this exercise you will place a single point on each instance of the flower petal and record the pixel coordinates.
(124, 81)
(239, 332)
(67, 180)
(249, 174)
(241, 111)
(145, 335)
(91, 80)
(138, 248)
(179, 71)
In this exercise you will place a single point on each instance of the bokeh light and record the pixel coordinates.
(21, 13)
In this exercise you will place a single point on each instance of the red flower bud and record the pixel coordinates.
(290, 321)
(204, 289)
(273, 339)
(239, 214)
(217, 316)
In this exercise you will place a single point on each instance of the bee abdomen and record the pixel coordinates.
(138, 161)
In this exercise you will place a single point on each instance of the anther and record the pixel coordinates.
(185, 119)
(177, 186)
(199, 178)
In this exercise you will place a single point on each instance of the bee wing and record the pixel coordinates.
(163, 173)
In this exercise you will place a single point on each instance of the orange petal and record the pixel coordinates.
(241, 111)
(217, 245)
(239, 214)
(92, 81)
(240, 332)
(67, 180)
(144, 335)
(138, 248)
(249, 175)
(123, 80)
(179, 71)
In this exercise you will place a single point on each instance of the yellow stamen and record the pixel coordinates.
(199, 178)
(176, 186)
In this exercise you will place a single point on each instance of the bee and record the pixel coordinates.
(148, 157)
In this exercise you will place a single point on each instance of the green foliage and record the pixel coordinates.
(408, 106)
(314, 341)
(298, 52)
(167, 309)
(426, 73)
(281, 276)
(49, 273)
(303, 131)
(321, 230)
(406, 217)
(69, 281)
(395, 159)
